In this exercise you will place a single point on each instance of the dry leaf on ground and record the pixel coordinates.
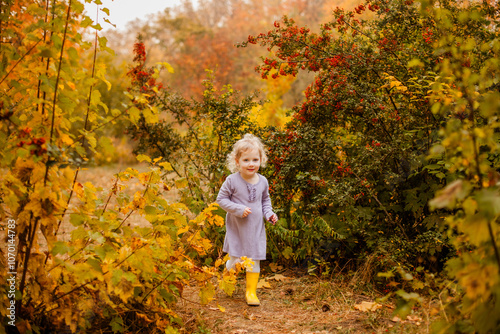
(278, 277)
(367, 306)
(263, 284)
(413, 318)
(274, 267)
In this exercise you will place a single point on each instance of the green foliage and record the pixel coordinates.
(355, 150)
(467, 92)
(294, 241)
(401, 105)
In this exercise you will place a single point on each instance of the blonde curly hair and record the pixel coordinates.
(248, 142)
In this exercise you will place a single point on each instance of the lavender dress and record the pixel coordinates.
(245, 236)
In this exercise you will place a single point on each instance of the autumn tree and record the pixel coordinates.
(195, 38)
(75, 261)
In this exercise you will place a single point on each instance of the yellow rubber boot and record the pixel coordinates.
(251, 295)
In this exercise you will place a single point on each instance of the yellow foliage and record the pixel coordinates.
(478, 279)
(273, 111)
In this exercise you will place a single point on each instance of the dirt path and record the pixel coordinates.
(291, 302)
(294, 304)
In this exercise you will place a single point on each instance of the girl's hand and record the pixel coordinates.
(273, 219)
(246, 212)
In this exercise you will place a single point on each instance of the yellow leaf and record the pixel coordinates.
(228, 282)
(219, 262)
(143, 157)
(66, 139)
(139, 201)
(183, 230)
(134, 115)
(479, 133)
(246, 262)
(166, 166)
(207, 293)
(167, 66)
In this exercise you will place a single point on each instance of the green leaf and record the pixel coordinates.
(181, 183)
(488, 201)
(76, 219)
(60, 247)
(168, 296)
(287, 253)
(171, 330)
(117, 324)
(150, 210)
(388, 274)
(116, 276)
(96, 264)
(46, 53)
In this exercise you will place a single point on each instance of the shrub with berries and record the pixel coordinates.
(357, 154)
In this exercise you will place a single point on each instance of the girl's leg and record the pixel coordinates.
(255, 267)
(252, 282)
(231, 263)
(252, 278)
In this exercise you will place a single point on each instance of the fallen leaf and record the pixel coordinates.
(278, 277)
(218, 308)
(413, 318)
(274, 267)
(263, 284)
(396, 319)
(367, 306)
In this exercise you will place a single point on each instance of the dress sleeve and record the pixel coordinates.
(267, 208)
(224, 200)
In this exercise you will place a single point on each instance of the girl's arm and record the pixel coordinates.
(267, 208)
(224, 200)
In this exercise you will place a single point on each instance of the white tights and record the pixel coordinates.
(233, 260)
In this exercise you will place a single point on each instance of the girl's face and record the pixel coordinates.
(249, 163)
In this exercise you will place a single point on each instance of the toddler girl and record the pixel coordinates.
(245, 197)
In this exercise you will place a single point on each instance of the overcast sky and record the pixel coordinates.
(123, 11)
